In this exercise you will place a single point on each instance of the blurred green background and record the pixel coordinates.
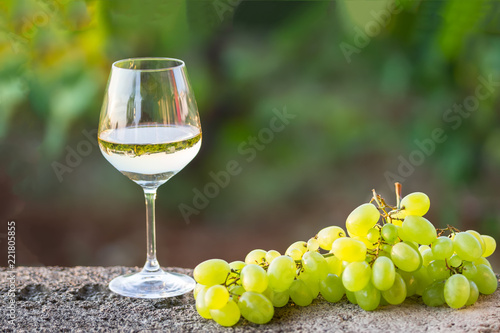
(380, 91)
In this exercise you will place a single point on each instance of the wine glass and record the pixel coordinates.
(149, 129)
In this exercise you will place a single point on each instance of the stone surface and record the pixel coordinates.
(78, 300)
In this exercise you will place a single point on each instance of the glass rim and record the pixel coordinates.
(179, 64)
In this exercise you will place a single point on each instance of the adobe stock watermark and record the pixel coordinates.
(74, 156)
(372, 28)
(453, 117)
(30, 24)
(225, 6)
(248, 149)
(11, 265)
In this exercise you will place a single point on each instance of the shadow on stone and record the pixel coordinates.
(34, 292)
(169, 302)
(92, 292)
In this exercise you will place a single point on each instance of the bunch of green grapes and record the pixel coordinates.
(389, 253)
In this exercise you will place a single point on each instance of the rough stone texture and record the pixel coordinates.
(77, 299)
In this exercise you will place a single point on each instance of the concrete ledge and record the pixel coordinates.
(77, 299)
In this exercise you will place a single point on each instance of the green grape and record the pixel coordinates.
(383, 273)
(365, 241)
(237, 265)
(469, 269)
(356, 275)
(413, 244)
(422, 248)
(312, 245)
(216, 297)
(328, 235)
(482, 261)
(387, 249)
(281, 299)
(383, 302)
(415, 247)
(294, 253)
(401, 234)
(362, 219)
(442, 248)
(345, 264)
(236, 291)
(485, 280)
(416, 203)
(271, 255)
(312, 282)
(419, 229)
(281, 273)
(455, 261)
(456, 291)
(256, 308)
(389, 233)
(254, 278)
(423, 280)
(228, 315)
(197, 288)
(351, 297)
(269, 293)
(397, 218)
(427, 257)
(373, 235)
(410, 282)
(405, 257)
(467, 246)
(434, 294)
(369, 297)
(382, 253)
(396, 294)
(490, 245)
(255, 257)
(201, 307)
(349, 249)
(334, 265)
(474, 293)
(437, 270)
(316, 264)
(299, 245)
(477, 235)
(331, 288)
(300, 293)
(211, 272)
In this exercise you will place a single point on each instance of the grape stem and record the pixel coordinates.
(235, 281)
(449, 228)
(454, 270)
(228, 277)
(375, 198)
(446, 263)
(398, 195)
(395, 212)
(382, 205)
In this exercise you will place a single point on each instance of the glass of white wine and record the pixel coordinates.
(149, 129)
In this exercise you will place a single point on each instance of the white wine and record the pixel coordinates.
(150, 155)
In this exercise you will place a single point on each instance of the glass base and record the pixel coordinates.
(156, 284)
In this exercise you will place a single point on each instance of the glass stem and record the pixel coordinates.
(151, 262)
